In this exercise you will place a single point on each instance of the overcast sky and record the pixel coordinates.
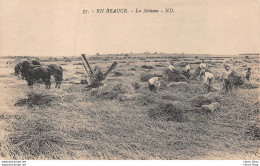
(58, 28)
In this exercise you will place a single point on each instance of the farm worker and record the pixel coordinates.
(247, 74)
(97, 77)
(154, 84)
(187, 68)
(208, 78)
(203, 65)
(227, 86)
(171, 67)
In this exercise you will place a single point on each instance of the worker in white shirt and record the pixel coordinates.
(227, 86)
(171, 67)
(203, 65)
(154, 84)
(187, 69)
(208, 78)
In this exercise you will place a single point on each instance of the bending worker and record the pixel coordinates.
(171, 67)
(154, 84)
(208, 78)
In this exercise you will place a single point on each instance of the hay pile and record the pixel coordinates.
(235, 79)
(159, 65)
(112, 90)
(167, 95)
(252, 132)
(147, 98)
(167, 111)
(249, 86)
(187, 88)
(207, 102)
(133, 69)
(145, 77)
(117, 74)
(182, 64)
(174, 76)
(205, 99)
(199, 101)
(37, 99)
(68, 60)
(38, 137)
(147, 67)
(136, 85)
(69, 98)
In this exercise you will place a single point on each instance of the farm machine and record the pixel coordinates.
(96, 76)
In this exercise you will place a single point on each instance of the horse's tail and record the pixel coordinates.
(58, 74)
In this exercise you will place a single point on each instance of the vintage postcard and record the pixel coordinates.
(129, 80)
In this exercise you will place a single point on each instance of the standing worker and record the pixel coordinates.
(203, 65)
(227, 86)
(248, 74)
(97, 77)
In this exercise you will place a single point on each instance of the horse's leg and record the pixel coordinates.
(46, 83)
(57, 85)
(58, 82)
(30, 84)
(49, 83)
(209, 87)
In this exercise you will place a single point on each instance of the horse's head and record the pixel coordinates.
(25, 67)
(34, 62)
(17, 68)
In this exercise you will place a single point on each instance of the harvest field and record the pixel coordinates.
(123, 119)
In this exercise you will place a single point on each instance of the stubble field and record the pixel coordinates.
(124, 120)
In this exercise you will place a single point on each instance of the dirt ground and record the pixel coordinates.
(75, 123)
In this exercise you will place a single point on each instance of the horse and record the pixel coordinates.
(57, 72)
(17, 69)
(33, 74)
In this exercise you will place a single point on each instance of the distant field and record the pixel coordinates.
(123, 119)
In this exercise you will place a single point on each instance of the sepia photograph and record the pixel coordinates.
(129, 80)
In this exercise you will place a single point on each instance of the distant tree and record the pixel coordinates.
(97, 54)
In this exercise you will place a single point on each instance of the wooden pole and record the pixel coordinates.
(85, 59)
(111, 68)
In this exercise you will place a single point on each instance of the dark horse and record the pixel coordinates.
(17, 68)
(57, 72)
(33, 74)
